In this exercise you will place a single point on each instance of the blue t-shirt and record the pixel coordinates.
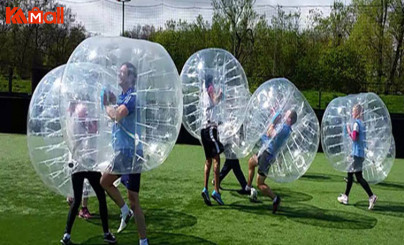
(123, 132)
(276, 143)
(358, 146)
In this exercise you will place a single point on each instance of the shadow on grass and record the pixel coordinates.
(390, 186)
(395, 209)
(156, 220)
(285, 193)
(319, 177)
(310, 215)
(334, 219)
(154, 238)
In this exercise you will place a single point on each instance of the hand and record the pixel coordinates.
(221, 95)
(348, 129)
(112, 97)
(109, 98)
(270, 129)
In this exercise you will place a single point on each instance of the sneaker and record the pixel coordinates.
(125, 220)
(84, 213)
(343, 199)
(275, 204)
(372, 201)
(65, 240)
(205, 196)
(253, 195)
(217, 197)
(108, 237)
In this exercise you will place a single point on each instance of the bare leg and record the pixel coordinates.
(264, 188)
(137, 210)
(252, 164)
(216, 172)
(107, 182)
(208, 165)
(84, 202)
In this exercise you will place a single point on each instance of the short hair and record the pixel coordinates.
(293, 117)
(132, 72)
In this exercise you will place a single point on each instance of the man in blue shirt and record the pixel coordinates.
(126, 145)
(272, 143)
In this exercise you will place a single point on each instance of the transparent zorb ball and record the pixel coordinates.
(375, 128)
(215, 91)
(268, 111)
(130, 94)
(48, 151)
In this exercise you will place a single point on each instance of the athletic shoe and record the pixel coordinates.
(205, 196)
(84, 213)
(108, 237)
(125, 220)
(217, 197)
(275, 204)
(253, 195)
(65, 240)
(372, 201)
(343, 199)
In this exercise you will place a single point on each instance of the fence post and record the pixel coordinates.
(319, 99)
(10, 79)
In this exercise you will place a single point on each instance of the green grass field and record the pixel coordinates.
(176, 214)
(19, 85)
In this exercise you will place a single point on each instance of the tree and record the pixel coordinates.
(396, 28)
(31, 45)
(241, 18)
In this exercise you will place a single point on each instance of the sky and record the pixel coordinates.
(105, 16)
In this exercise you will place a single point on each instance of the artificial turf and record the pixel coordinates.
(176, 214)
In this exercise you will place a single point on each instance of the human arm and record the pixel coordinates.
(355, 132)
(117, 113)
(213, 96)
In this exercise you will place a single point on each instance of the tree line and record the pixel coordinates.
(357, 47)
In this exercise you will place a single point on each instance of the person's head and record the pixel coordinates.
(127, 74)
(291, 117)
(208, 81)
(81, 111)
(357, 111)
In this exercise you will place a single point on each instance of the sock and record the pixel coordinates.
(204, 189)
(275, 199)
(248, 188)
(124, 210)
(143, 241)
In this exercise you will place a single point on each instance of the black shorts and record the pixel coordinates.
(265, 160)
(131, 182)
(357, 164)
(123, 162)
(210, 142)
